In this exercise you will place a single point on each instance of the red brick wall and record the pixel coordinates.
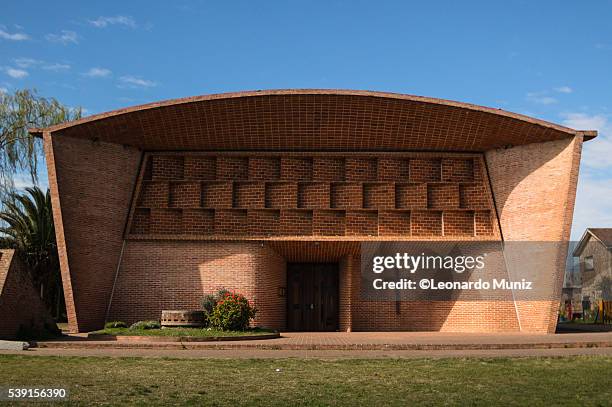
(20, 304)
(91, 185)
(158, 275)
(535, 188)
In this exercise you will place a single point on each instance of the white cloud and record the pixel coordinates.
(22, 181)
(65, 37)
(35, 63)
(98, 72)
(564, 89)
(541, 98)
(593, 198)
(130, 81)
(105, 21)
(56, 67)
(13, 37)
(583, 121)
(14, 72)
(596, 154)
(3, 90)
(593, 204)
(26, 62)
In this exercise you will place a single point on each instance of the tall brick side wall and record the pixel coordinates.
(91, 185)
(534, 188)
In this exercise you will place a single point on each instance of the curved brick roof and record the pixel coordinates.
(313, 120)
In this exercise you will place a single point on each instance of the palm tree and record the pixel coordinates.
(28, 228)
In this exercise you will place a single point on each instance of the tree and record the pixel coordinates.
(20, 151)
(605, 286)
(29, 229)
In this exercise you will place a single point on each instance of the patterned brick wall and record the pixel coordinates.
(257, 196)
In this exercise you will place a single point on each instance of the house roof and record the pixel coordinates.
(603, 235)
(313, 119)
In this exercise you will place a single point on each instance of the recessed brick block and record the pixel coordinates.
(345, 195)
(217, 194)
(141, 220)
(361, 169)
(442, 196)
(328, 169)
(167, 167)
(473, 196)
(483, 223)
(458, 170)
(264, 168)
(425, 170)
(264, 222)
(394, 223)
(281, 195)
(296, 222)
(411, 196)
(313, 195)
(379, 196)
(154, 194)
(426, 223)
(200, 167)
(147, 173)
(198, 221)
(232, 168)
(329, 223)
(296, 169)
(231, 222)
(361, 223)
(185, 194)
(458, 223)
(393, 169)
(249, 195)
(166, 222)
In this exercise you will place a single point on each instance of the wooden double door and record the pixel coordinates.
(312, 296)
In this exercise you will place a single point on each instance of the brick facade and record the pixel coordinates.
(359, 196)
(157, 206)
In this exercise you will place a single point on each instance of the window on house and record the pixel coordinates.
(588, 263)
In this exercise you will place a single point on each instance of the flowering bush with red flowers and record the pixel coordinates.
(233, 312)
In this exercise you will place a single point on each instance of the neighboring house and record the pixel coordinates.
(594, 252)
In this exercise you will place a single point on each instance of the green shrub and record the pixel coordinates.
(233, 312)
(208, 304)
(115, 324)
(146, 325)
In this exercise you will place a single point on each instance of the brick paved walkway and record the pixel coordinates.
(366, 341)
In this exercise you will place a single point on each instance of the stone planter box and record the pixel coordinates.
(182, 318)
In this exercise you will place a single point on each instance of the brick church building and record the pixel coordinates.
(270, 193)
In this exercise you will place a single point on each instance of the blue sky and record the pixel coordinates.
(547, 59)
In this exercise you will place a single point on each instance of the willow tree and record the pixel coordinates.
(26, 223)
(20, 152)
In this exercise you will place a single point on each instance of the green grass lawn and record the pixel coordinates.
(200, 332)
(376, 382)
